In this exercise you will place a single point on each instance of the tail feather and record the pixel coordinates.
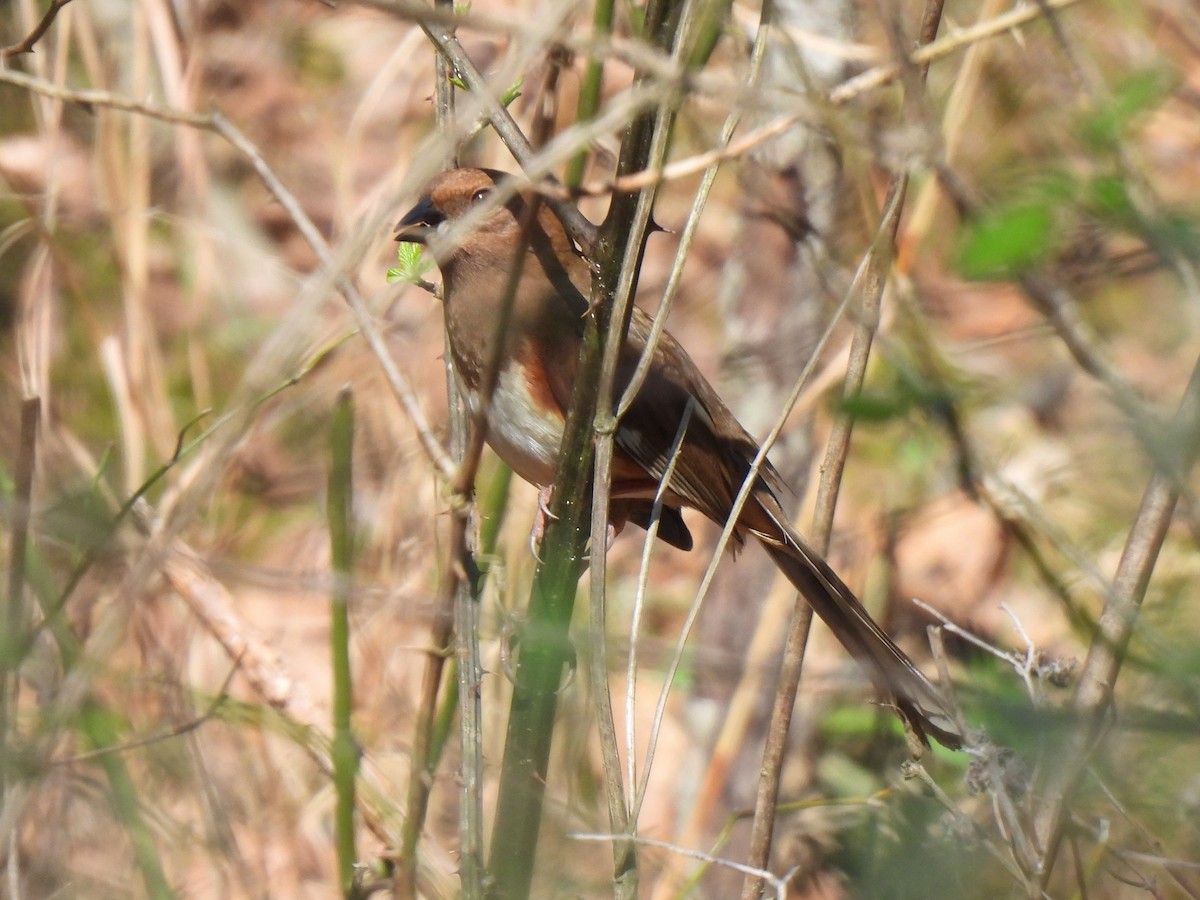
(888, 666)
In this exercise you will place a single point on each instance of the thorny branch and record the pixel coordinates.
(26, 44)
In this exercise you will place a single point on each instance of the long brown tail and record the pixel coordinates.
(888, 666)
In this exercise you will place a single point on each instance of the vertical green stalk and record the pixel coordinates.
(491, 507)
(589, 93)
(101, 732)
(16, 619)
(545, 645)
(12, 644)
(98, 726)
(341, 540)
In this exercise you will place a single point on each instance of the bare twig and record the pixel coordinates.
(26, 44)
(646, 144)
(581, 230)
(878, 262)
(1093, 697)
(798, 388)
(458, 589)
(106, 99)
(466, 598)
(778, 883)
(176, 731)
(636, 790)
(797, 637)
(1022, 665)
(216, 122)
(640, 54)
(690, 833)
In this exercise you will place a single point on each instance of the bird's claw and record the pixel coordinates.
(538, 531)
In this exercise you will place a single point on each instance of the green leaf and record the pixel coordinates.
(1136, 94)
(512, 93)
(412, 265)
(1007, 241)
(506, 98)
(875, 405)
(1109, 199)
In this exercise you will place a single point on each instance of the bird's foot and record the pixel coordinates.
(543, 515)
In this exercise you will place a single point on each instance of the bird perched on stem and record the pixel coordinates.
(538, 358)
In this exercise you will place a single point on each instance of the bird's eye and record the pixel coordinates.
(480, 195)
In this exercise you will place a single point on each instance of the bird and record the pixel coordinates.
(526, 416)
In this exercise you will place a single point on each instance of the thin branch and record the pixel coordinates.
(180, 730)
(107, 99)
(788, 681)
(363, 318)
(216, 122)
(1022, 665)
(621, 812)
(581, 230)
(645, 144)
(878, 263)
(26, 44)
(634, 802)
(1094, 695)
(466, 589)
(778, 883)
(747, 489)
(458, 591)
(636, 381)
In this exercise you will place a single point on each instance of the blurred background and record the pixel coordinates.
(179, 338)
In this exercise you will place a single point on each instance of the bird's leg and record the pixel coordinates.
(616, 524)
(545, 495)
(543, 515)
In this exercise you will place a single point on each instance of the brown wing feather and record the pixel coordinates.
(718, 453)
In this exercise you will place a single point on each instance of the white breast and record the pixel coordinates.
(522, 433)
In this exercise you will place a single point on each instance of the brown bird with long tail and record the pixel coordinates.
(527, 414)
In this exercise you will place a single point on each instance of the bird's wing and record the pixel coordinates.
(716, 451)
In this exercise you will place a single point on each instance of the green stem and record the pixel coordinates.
(100, 730)
(97, 725)
(589, 92)
(344, 753)
(545, 646)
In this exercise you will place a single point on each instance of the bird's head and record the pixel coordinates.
(458, 204)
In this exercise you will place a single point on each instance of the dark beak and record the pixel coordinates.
(419, 222)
